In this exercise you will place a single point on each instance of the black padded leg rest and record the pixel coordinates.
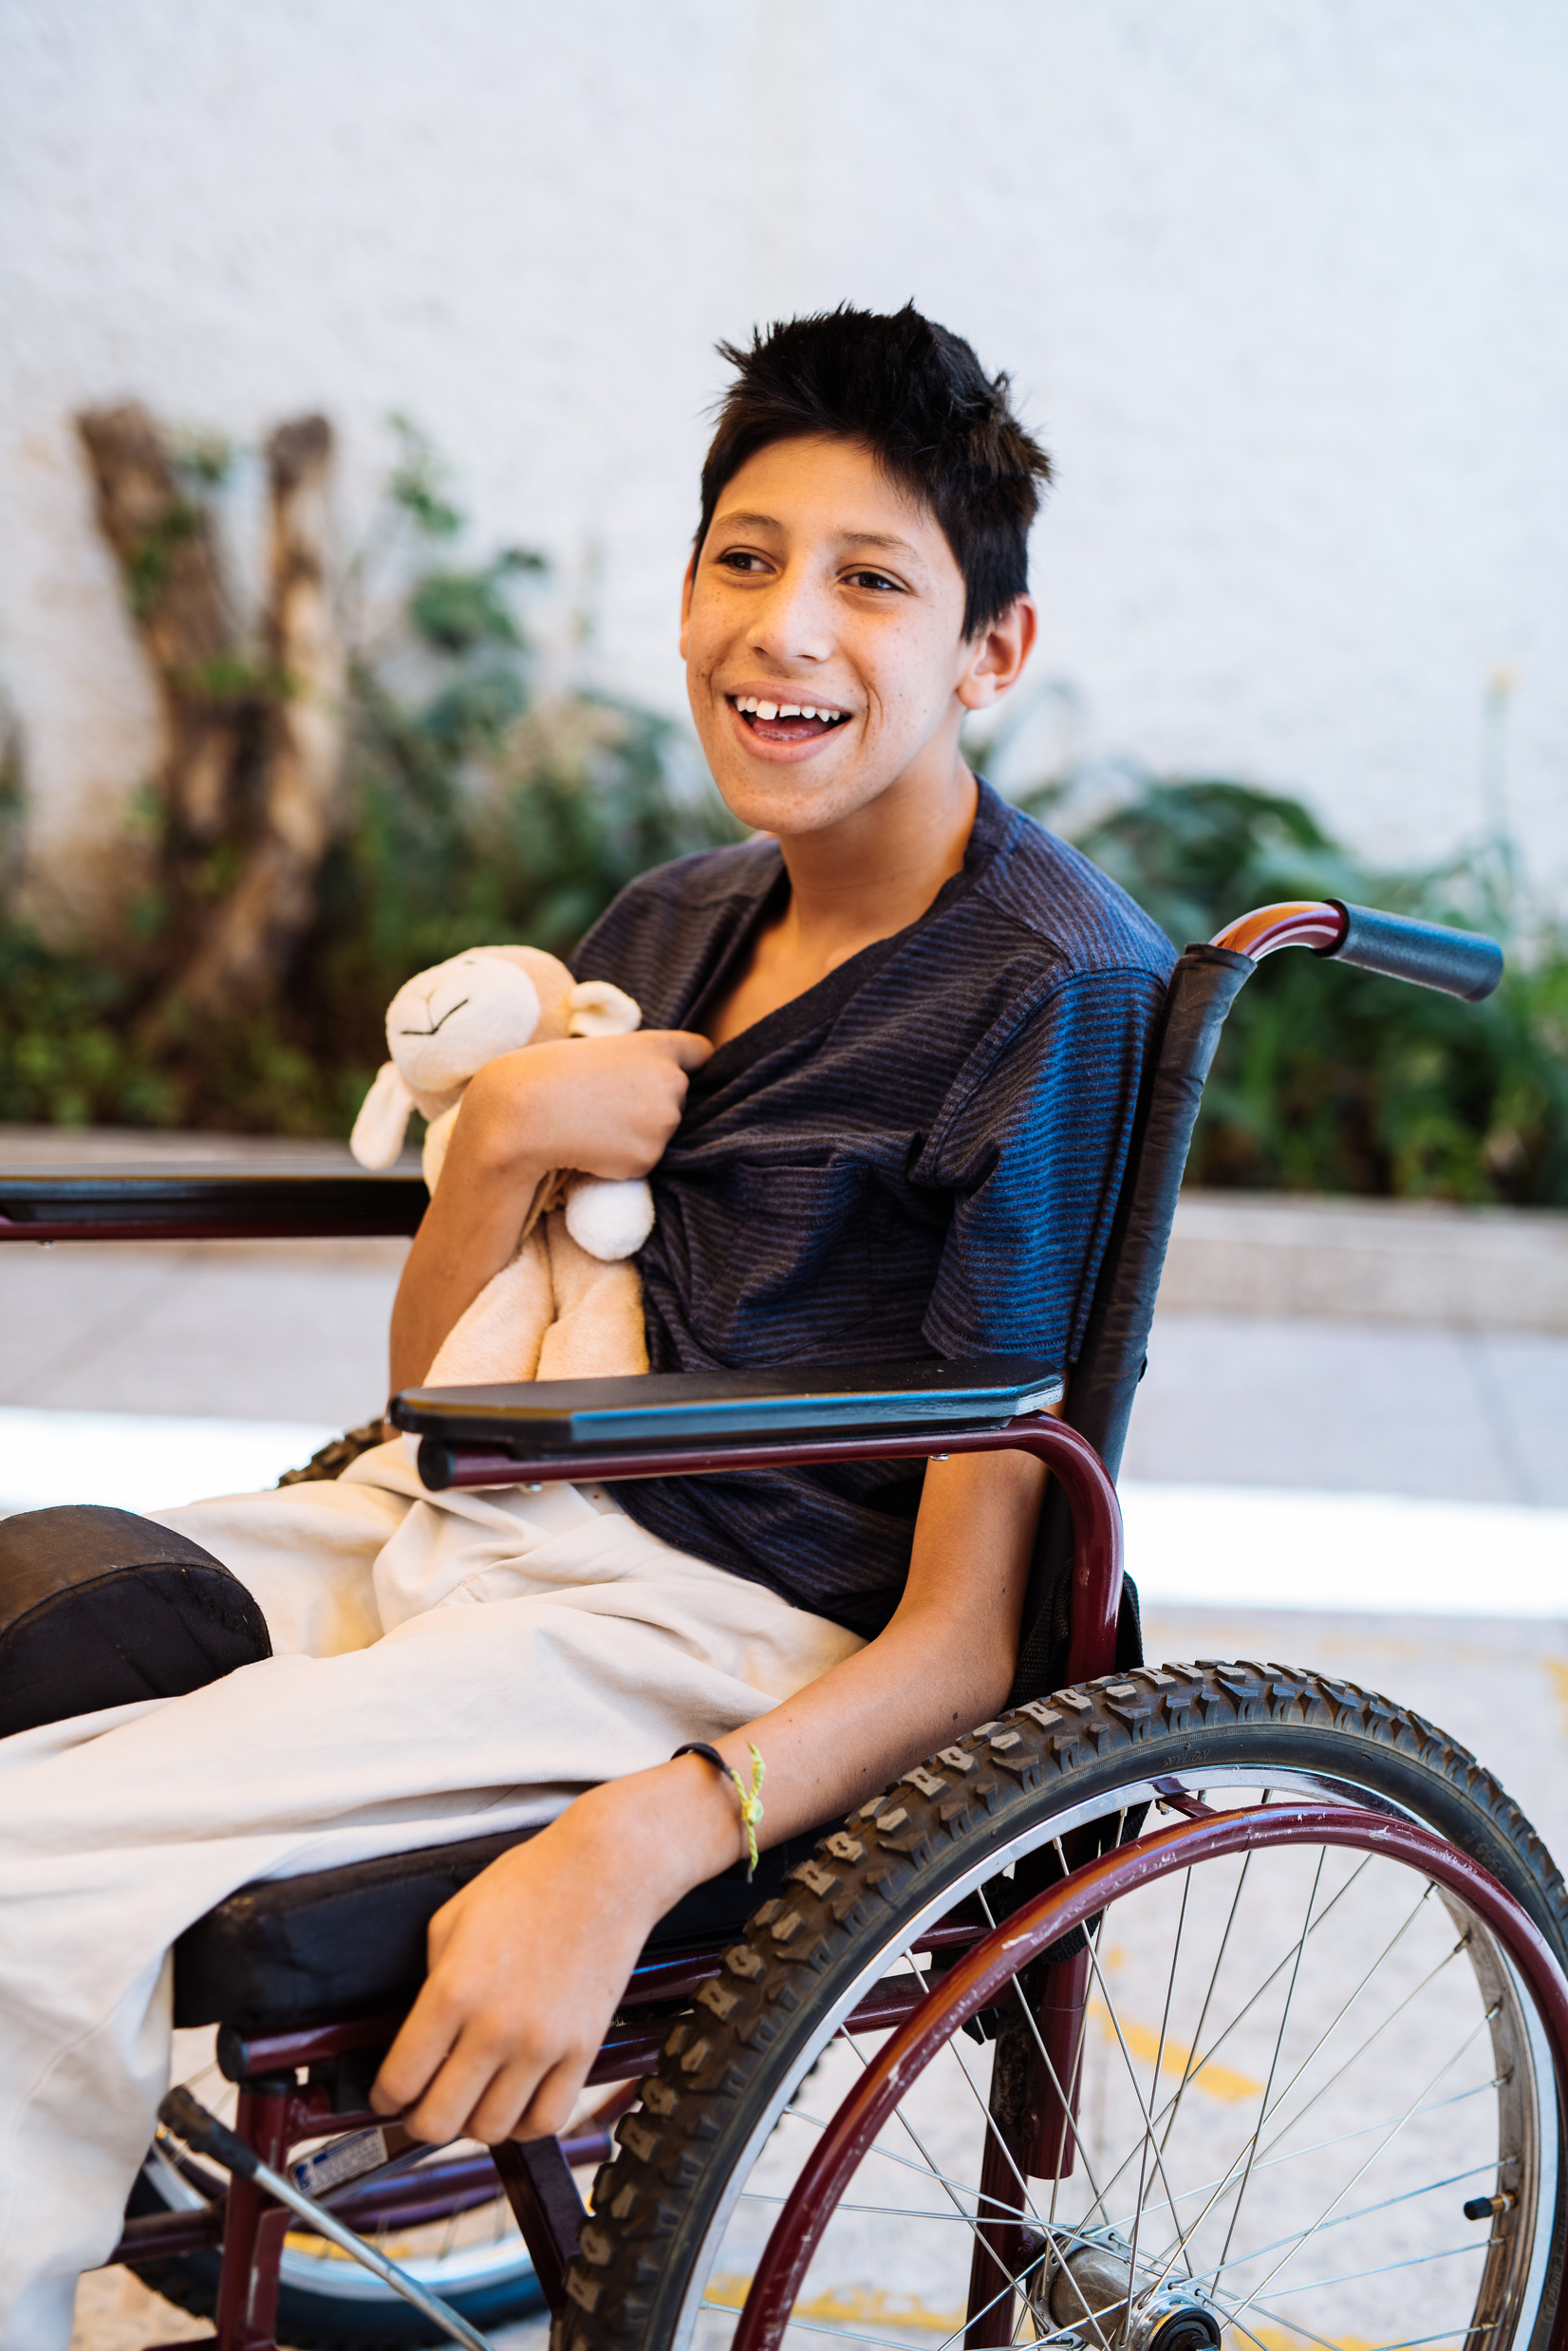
(346, 1942)
(100, 1608)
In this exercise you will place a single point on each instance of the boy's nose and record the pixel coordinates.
(793, 620)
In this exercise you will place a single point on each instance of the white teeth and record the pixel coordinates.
(767, 710)
(791, 710)
(806, 711)
(746, 703)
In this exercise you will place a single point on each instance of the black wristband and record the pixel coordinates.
(711, 1755)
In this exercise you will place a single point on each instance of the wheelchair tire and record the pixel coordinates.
(718, 2117)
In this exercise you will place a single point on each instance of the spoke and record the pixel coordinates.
(1411, 2261)
(1357, 2054)
(1012, 2165)
(1264, 2110)
(818, 2327)
(927, 2170)
(885, 2212)
(986, 2114)
(1196, 2063)
(1408, 2342)
(1362, 2211)
(1324, 2217)
(1192, 2064)
(1147, 2141)
(1183, 2238)
(1247, 2007)
(1131, 2075)
(1045, 2060)
(1019, 2277)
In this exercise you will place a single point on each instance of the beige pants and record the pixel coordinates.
(445, 1668)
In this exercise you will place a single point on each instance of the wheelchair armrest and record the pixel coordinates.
(240, 1204)
(688, 1424)
(575, 1429)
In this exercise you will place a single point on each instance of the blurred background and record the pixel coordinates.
(356, 371)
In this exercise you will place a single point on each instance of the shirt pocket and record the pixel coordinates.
(778, 1260)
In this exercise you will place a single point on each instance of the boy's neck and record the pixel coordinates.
(879, 869)
(859, 880)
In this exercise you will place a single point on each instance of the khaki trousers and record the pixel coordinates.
(445, 1666)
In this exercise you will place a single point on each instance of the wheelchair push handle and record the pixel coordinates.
(1460, 962)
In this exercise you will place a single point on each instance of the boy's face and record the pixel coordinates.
(822, 588)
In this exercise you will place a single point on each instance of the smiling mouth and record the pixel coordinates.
(785, 722)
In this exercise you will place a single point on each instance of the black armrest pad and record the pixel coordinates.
(585, 1416)
(235, 1204)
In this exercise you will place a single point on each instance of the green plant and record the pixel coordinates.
(475, 809)
(1329, 1079)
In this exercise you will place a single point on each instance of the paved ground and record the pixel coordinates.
(297, 1331)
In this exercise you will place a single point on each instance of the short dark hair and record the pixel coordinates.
(918, 398)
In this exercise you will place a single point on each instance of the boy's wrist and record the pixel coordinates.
(679, 1822)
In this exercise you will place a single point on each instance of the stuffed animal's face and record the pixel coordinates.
(445, 1023)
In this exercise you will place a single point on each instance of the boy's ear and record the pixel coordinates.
(686, 587)
(597, 1009)
(997, 655)
(382, 1121)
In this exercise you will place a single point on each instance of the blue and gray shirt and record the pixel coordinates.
(920, 1156)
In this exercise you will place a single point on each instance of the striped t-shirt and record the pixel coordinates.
(917, 1157)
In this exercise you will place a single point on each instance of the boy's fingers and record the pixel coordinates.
(478, 2083)
(423, 2044)
(550, 2108)
(690, 1050)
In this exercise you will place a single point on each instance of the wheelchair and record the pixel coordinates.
(1187, 2003)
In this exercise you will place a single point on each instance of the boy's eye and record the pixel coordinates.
(873, 579)
(741, 559)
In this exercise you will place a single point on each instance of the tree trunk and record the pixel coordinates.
(245, 952)
(252, 769)
(173, 585)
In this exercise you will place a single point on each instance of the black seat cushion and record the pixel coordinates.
(99, 1608)
(346, 1942)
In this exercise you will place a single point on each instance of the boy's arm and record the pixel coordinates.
(528, 1961)
(606, 1104)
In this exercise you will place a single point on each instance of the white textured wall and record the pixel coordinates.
(1283, 281)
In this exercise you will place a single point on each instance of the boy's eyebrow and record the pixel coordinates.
(887, 542)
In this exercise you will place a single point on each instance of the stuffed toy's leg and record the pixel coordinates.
(498, 1337)
(598, 1329)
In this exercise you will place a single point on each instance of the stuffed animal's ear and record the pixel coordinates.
(597, 1009)
(382, 1121)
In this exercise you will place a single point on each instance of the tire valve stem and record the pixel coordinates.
(1490, 2208)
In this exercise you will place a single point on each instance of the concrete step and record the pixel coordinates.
(1369, 1261)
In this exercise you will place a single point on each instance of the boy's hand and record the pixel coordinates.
(528, 1961)
(606, 1104)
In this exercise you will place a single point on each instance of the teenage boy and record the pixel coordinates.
(885, 1094)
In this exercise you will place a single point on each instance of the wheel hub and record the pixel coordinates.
(1094, 2293)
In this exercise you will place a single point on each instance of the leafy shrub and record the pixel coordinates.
(481, 809)
(477, 809)
(1329, 1079)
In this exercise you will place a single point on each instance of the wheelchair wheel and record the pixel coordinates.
(471, 2254)
(1316, 2098)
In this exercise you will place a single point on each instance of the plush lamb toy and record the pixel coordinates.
(569, 1304)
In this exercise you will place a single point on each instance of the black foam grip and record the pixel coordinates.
(1461, 963)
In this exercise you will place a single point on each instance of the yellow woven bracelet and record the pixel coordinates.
(750, 1798)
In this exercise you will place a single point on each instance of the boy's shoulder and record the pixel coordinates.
(1077, 917)
(667, 926)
